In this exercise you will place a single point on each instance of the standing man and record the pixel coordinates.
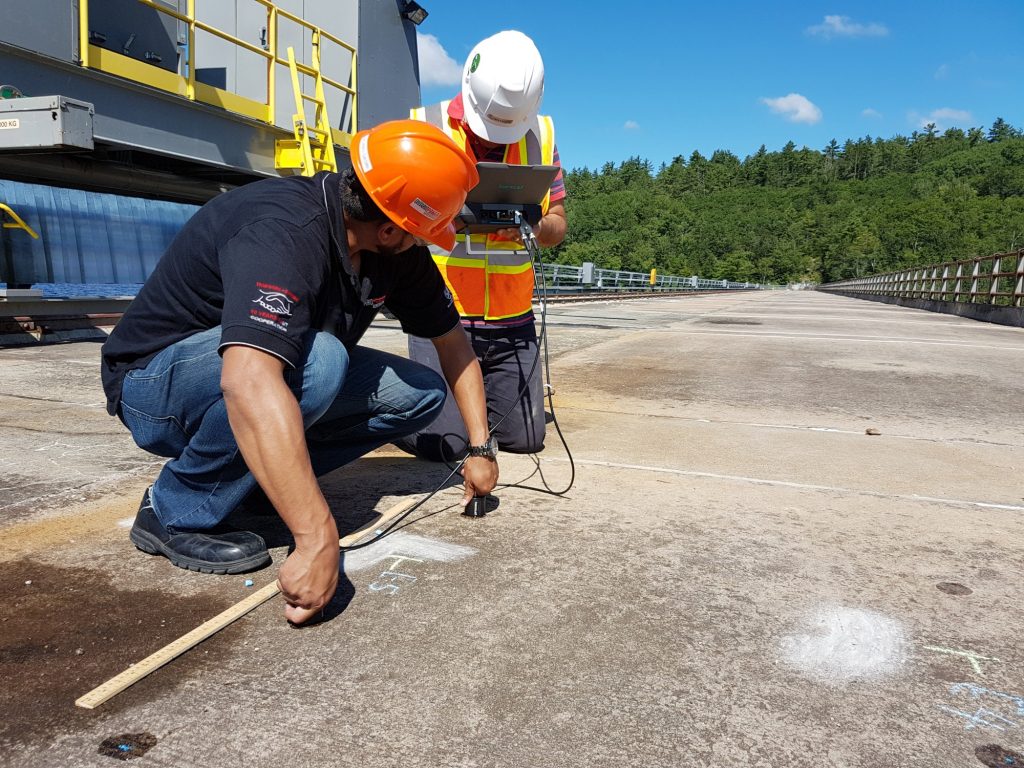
(239, 361)
(496, 119)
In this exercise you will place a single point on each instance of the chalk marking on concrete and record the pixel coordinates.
(984, 717)
(978, 718)
(838, 337)
(977, 691)
(971, 656)
(568, 403)
(844, 644)
(788, 484)
(407, 546)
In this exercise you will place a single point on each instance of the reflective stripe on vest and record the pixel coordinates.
(499, 283)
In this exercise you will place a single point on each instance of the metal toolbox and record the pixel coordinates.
(45, 122)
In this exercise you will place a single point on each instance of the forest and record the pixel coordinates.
(862, 207)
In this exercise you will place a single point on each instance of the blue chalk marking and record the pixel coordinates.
(124, 747)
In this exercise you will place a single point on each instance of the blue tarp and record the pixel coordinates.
(85, 237)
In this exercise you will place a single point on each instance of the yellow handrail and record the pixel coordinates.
(83, 32)
(18, 223)
(186, 85)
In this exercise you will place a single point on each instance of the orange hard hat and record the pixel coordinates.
(416, 175)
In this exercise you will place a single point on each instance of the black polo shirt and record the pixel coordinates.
(268, 262)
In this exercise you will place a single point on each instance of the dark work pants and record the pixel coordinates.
(507, 358)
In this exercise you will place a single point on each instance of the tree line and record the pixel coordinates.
(862, 207)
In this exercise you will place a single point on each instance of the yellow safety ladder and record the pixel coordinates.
(312, 149)
(17, 223)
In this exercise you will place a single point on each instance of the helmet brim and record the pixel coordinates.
(498, 134)
(445, 239)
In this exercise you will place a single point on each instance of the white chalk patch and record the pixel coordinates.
(126, 523)
(846, 644)
(407, 545)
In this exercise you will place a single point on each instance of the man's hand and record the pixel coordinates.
(481, 475)
(549, 231)
(267, 424)
(309, 576)
(512, 234)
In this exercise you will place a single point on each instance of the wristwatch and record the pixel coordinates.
(488, 450)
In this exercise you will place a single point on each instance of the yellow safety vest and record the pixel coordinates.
(499, 283)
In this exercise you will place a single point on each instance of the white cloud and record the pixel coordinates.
(869, 112)
(632, 125)
(942, 72)
(943, 118)
(844, 26)
(436, 66)
(795, 108)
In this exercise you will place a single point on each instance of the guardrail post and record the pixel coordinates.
(1018, 291)
(993, 289)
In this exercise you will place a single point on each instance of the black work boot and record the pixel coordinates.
(233, 552)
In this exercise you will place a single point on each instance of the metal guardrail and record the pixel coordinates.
(568, 276)
(185, 83)
(997, 280)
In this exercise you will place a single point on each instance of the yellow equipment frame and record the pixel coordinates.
(186, 86)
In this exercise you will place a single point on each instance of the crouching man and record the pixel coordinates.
(239, 359)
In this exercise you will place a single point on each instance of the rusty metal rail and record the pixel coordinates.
(996, 280)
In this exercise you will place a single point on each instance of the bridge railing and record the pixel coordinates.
(996, 280)
(587, 277)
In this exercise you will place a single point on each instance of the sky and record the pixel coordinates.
(658, 79)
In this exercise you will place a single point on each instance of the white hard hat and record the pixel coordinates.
(502, 86)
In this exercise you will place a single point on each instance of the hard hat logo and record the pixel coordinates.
(431, 213)
(364, 155)
(475, 64)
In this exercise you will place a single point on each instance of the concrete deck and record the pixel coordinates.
(741, 575)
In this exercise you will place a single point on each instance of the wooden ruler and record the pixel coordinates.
(172, 650)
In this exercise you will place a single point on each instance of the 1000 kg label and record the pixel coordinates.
(9, 123)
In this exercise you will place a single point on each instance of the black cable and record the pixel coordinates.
(394, 523)
(540, 286)
(542, 338)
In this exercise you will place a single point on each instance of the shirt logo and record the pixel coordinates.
(274, 301)
(273, 306)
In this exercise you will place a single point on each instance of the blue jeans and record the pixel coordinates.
(351, 402)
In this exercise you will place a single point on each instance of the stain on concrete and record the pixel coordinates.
(64, 631)
(953, 588)
(995, 756)
(127, 746)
